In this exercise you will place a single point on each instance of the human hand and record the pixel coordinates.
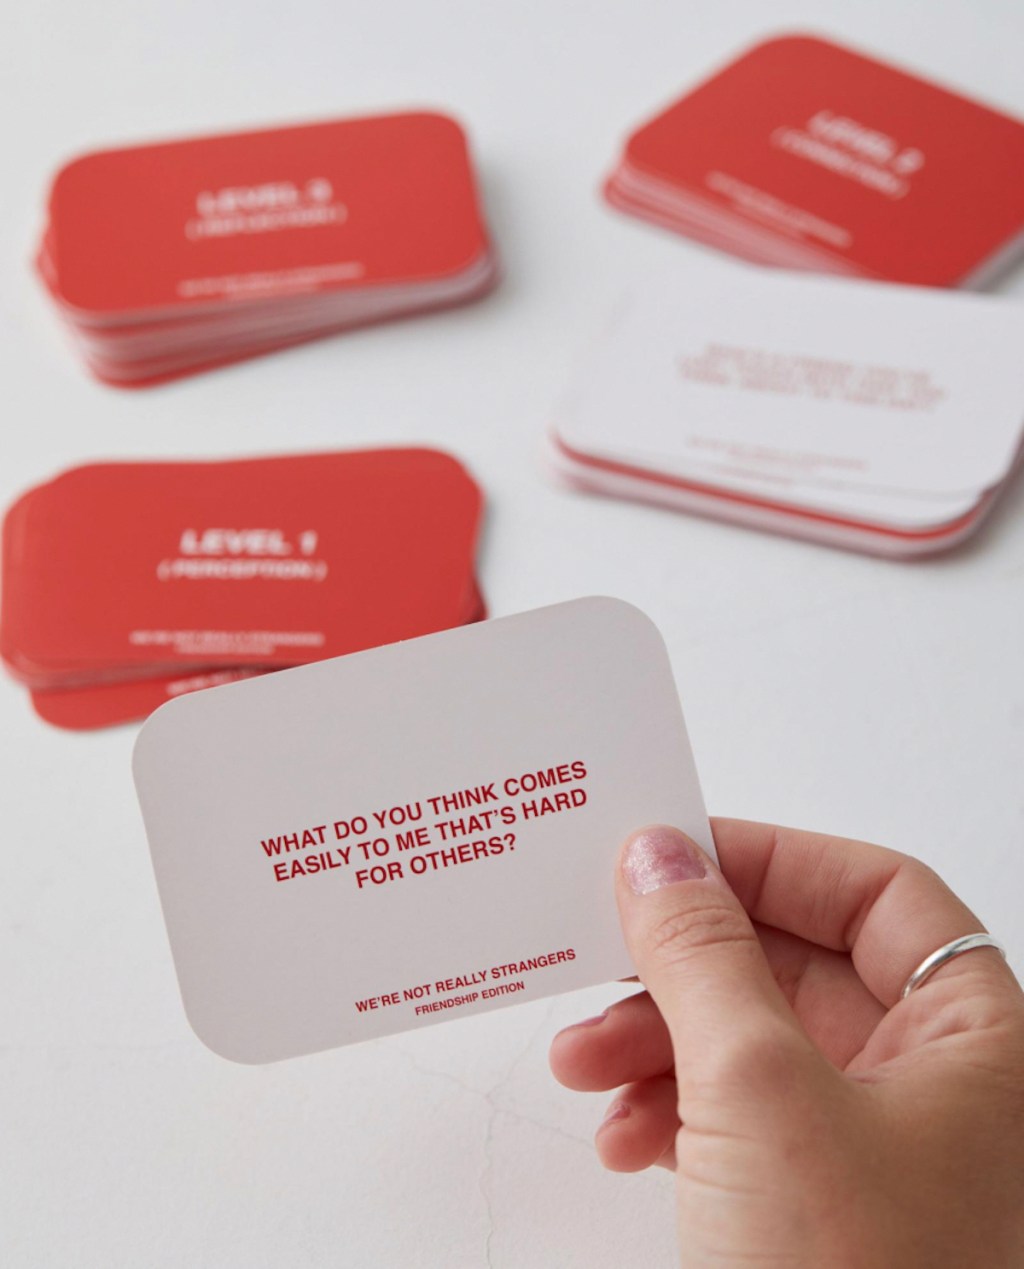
(811, 1116)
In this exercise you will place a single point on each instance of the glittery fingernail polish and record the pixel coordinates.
(660, 856)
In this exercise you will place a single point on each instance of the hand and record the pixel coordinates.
(811, 1116)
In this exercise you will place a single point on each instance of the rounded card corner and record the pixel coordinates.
(220, 1048)
(154, 724)
(70, 166)
(629, 613)
(443, 457)
(789, 38)
(444, 120)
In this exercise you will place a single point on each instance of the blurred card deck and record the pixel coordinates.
(804, 154)
(176, 256)
(881, 417)
(126, 584)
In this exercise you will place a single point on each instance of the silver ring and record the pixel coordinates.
(946, 953)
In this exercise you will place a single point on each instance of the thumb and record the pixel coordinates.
(697, 953)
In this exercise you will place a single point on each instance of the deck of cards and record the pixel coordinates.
(125, 585)
(860, 414)
(805, 154)
(180, 256)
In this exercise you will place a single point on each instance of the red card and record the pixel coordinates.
(325, 207)
(127, 570)
(86, 708)
(109, 704)
(855, 160)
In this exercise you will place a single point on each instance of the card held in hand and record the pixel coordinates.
(413, 833)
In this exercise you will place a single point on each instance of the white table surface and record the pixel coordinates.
(861, 697)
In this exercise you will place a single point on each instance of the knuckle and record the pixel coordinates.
(680, 935)
(922, 879)
(917, 870)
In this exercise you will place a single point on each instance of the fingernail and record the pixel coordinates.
(617, 1110)
(660, 856)
(592, 1022)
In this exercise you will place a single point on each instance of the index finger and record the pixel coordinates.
(887, 910)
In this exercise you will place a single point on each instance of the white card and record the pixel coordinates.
(414, 833)
(902, 512)
(790, 520)
(831, 382)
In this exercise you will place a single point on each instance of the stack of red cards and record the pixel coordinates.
(867, 415)
(170, 258)
(808, 155)
(125, 584)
